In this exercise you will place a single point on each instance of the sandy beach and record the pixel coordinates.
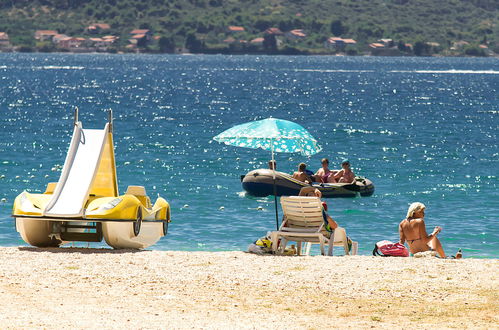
(89, 288)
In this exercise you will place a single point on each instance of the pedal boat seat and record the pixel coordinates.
(140, 193)
(50, 188)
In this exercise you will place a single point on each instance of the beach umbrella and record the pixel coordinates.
(274, 135)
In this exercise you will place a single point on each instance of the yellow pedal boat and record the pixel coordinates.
(84, 205)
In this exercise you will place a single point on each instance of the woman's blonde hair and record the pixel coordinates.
(415, 207)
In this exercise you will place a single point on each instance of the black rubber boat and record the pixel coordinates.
(260, 183)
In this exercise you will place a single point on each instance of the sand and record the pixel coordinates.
(89, 288)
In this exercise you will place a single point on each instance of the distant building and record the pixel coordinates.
(386, 42)
(338, 43)
(433, 44)
(235, 29)
(146, 32)
(4, 40)
(45, 35)
(101, 44)
(459, 44)
(113, 38)
(257, 41)
(140, 36)
(98, 28)
(65, 42)
(296, 34)
(58, 37)
(376, 45)
(274, 31)
(349, 42)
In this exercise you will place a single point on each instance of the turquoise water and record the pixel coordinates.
(423, 129)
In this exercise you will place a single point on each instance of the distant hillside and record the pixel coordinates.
(449, 27)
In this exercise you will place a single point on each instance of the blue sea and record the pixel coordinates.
(422, 129)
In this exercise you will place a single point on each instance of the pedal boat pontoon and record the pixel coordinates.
(84, 205)
(260, 183)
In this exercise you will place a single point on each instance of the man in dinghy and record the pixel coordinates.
(301, 174)
(345, 175)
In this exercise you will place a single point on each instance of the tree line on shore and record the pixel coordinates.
(416, 27)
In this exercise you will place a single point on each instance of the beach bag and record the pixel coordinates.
(262, 245)
(390, 249)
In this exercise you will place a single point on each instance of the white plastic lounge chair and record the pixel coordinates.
(340, 239)
(304, 222)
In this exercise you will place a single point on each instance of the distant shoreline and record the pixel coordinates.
(251, 54)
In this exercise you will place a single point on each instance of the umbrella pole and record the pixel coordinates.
(275, 190)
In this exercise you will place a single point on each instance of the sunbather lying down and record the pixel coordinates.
(413, 230)
(329, 223)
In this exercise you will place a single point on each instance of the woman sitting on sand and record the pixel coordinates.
(329, 223)
(413, 230)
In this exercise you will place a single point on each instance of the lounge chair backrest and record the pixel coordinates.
(304, 213)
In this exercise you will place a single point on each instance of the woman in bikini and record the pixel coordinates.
(324, 173)
(413, 230)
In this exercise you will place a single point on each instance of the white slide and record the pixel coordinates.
(78, 173)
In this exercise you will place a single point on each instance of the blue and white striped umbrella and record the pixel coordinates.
(276, 135)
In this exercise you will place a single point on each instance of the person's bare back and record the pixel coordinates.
(414, 232)
(301, 175)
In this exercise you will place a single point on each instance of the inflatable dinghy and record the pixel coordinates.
(260, 183)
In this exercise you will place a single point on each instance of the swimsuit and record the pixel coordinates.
(326, 176)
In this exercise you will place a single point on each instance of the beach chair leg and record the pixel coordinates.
(330, 248)
(331, 244)
(274, 239)
(282, 247)
(298, 248)
(355, 247)
(308, 246)
(321, 241)
(345, 246)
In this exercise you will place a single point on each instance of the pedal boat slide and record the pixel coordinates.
(84, 205)
(260, 183)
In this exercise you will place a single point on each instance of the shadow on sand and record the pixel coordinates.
(80, 250)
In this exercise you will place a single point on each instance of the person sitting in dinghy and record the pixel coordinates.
(301, 174)
(305, 175)
(324, 174)
(345, 175)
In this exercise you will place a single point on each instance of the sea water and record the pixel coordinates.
(422, 129)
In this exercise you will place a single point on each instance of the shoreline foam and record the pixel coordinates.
(95, 288)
